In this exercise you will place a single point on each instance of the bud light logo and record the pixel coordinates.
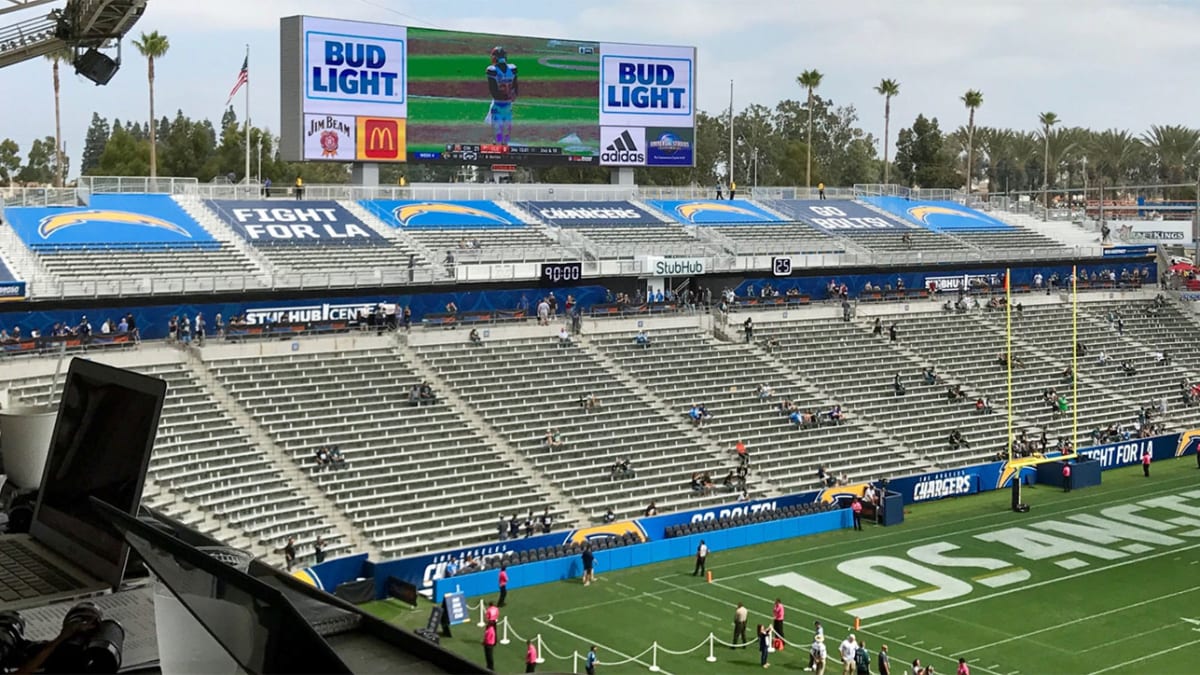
(353, 63)
(646, 85)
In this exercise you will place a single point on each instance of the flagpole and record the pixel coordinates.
(247, 174)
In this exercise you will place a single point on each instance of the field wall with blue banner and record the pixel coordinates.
(837, 217)
(435, 214)
(309, 222)
(12, 289)
(938, 216)
(423, 570)
(110, 220)
(590, 214)
(714, 211)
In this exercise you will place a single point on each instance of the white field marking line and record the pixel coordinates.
(901, 542)
(624, 598)
(680, 606)
(625, 586)
(1143, 658)
(989, 596)
(1110, 643)
(1072, 622)
(825, 621)
(588, 641)
(711, 616)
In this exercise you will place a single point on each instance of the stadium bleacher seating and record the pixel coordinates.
(417, 478)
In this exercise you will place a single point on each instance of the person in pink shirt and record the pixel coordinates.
(489, 645)
(856, 509)
(962, 667)
(1146, 463)
(777, 615)
(530, 657)
(492, 614)
(503, 585)
(1066, 474)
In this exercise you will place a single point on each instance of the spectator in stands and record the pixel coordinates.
(609, 516)
(322, 456)
(836, 415)
(123, 325)
(201, 328)
(764, 391)
(547, 521)
(1068, 375)
(907, 240)
(406, 318)
(893, 332)
(1128, 369)
(621, 469)
(514, 527)
(219, 324)
(336, 459)
(552, 440)
(651, 510)
(529, 525)
(474, 338)
(955, 393)
(877, 330)
(1102, 359)
(185, 330)
(748, 327)
(641, 339)
(930, 377)
(589, 402)
(502, 529)
(451, 569)
(983, 405)
(299, 188)
(289, 553)
(956, 440)
(772, 344)
(564, 338)
(898, 385)
(319, 550)
(1080, 348)
(266, 188)
(451, 308)
(719, 191)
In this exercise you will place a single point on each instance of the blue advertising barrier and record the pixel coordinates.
(714, 211)
(590, 214)
(11, 288)
(152, 320)
(330, 574)
(309, 222)
(110, 220)
(459, 214)
(1130, 251)
(815, 287)
(1085, 473)
(1115, 455)
(837, 217)
(649, 553)
(938, 215)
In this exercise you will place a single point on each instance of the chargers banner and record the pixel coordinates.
(566, 214)
(477, 213)
(275, 222)
(838, 217)
(709, 211)
(120, 220)
(938, 216)
(11, 288)
(646, 85)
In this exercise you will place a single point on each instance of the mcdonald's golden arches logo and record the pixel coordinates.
(381, 139)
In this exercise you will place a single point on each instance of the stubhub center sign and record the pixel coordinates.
(354, 68)
(645, 85)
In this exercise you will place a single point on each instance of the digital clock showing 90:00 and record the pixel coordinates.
(562, 272)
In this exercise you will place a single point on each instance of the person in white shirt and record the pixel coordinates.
(564, 338)
(701, 558)
(846, 651)
(818, 637)
(817, 654)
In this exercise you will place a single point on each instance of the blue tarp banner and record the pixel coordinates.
(837, 217)
(566, 214)
(121, 220)
(281, 222)
(714, 211)
(477, 213)
(938, 215)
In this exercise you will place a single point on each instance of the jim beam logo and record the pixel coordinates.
(331, 131)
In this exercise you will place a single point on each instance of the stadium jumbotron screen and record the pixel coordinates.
(368, 92)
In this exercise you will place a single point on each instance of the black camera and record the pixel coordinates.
(87, 643)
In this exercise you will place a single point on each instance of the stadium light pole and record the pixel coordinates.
(730, 163)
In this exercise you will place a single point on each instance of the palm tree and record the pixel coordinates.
(972, 99)
(152, 46)
(1047, 120)
(810, 80)
(887, 89)
(1111, 152)
(1173, 148)
(56, 57)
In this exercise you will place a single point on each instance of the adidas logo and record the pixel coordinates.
(623, 151)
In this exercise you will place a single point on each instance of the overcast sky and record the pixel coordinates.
(1097, 63)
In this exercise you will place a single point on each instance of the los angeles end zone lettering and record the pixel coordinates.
(1072, 542)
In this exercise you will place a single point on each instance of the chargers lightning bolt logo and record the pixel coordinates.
(470, 215)
(49, 225)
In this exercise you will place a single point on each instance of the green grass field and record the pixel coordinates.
(1092, 581)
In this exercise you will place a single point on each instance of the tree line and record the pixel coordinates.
(796, 142)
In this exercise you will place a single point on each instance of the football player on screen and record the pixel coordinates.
(502, 83)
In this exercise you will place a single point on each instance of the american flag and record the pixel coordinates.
(243, 78)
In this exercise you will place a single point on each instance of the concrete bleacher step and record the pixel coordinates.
(528, 474)
(25, 264)
(395, 234)
(322, 505)
(195, 208)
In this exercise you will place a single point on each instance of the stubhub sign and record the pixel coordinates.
(645, 85)
(354, 68)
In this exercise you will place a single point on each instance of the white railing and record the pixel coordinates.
(143, 184)
(42, 196)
